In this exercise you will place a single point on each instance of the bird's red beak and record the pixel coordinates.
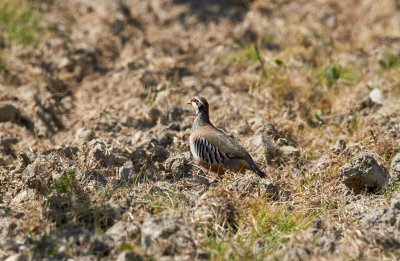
(190, 101)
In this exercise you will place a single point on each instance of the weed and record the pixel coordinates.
(372, 134)
(319, 119)
(65, 182)
(216, 247)
(352, 127)
(125, 247)
(20, 21)
(245, 56)
(390, 188)
(157, 206)
(390, 61)
(279, 62)
(270, 228)
(333, 73)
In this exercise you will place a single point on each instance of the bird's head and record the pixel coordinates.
(199, 103)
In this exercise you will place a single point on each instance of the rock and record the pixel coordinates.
(262, 146)
(296, 252)
(102, 245)
(17, 257)
(339, 146)
(376, 96)
(36, 175)
(122, 231)
(138, 156)
(373, 218)
(99, 152)
(383, 217)
(8, 233)
(363, 172)
(251, 185)
(323, 162)
(68, 152)
(319, 239)
(154, 114)
(90, 177)
(6, 140)
(84, 135)
(179, 165)
(216, 209)
(24, 196)
(168, 236)
(8, 112)
(290, 151)
(395, 202)
(271, 130)
(395, 167)
(158, 153)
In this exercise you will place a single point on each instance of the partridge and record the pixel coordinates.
(212, 148)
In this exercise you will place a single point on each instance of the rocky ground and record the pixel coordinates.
(94, 127)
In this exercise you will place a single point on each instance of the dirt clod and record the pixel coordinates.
(395, 167)
(364, 172)
(168, 236)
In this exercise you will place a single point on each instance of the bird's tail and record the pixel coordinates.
(256, 169)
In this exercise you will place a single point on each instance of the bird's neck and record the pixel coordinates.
(201, 119)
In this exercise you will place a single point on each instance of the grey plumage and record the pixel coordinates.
(213, 148)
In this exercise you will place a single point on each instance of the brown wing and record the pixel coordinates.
(225, 144)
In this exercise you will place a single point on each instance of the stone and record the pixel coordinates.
(383, 217)
(323, 162)
(24, 196)
(395, 167)
(251, 185)
(6, 140)
(121, 231)
(168, 236)
(83, 135)
(376, 96)
(262, 146)
(102, 245)
(290, 151)
(395, 202)
(179, 165)
(157, 153)
(100, 152)
(17, 257)
(339, 146)
(364, 172)
(8, 112)
(154, 114)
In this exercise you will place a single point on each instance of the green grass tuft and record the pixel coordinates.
(389, 189)
(65, 183)
(333, 73)
(390, 61)
(19, 22)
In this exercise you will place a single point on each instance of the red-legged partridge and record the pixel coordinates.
(214, 149)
